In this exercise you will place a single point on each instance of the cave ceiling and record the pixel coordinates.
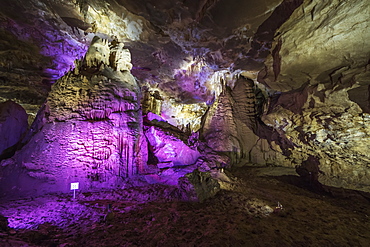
(41, 39)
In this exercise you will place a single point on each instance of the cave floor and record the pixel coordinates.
(239, 215)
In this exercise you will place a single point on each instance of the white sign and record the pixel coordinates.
(74, 186)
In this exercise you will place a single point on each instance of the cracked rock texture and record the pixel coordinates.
(336, 132)
(90, 131)
(319, 61)
(316, 46)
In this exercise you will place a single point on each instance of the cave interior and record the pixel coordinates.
(184, 123)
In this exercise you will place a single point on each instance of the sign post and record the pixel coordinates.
(74, 187)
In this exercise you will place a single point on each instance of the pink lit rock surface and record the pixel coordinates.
(168, 148)
(152, 116)
(91, 132)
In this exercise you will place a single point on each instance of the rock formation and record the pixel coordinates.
(191, 85)
(336, 132)
(13, 126)
(322, 98)
(199, 185)
(91, 128)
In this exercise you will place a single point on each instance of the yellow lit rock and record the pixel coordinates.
(316, 45)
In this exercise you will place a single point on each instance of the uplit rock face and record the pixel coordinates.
(219, 130)
(183, 100)
(169, 150)
(172, 153)
(184, 116)
(92, 132)
(336, 132)
(13, 126)
(231, 126)
(42, 38)
(320, 61)
(37, 48)
(316, 46)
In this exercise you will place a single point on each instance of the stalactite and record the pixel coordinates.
(127, 159)
(121, 141)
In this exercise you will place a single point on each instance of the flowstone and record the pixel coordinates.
(89, 130)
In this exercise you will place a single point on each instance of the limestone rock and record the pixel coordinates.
(198, 186)
(183, 100)
(170, 175)
(219, 129)
(309, 170)
(322, 42)
(113, 54)
(170, 150)
(92, 132)
(187, 56)
(230, 126)
(13, 126)
(317, 77)
(152, 116)
(335, 131)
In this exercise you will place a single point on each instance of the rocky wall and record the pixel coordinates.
(335, 131)
(231, 127)
(318, 77)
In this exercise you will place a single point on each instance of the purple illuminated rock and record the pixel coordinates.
(152, 116)
(13, 125)
(170, 149)
(165, 165)
(92, 131)
(170, 175)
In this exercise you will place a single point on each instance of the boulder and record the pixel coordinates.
(198, 186)
(170, 150)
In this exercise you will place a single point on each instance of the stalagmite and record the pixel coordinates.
(92, 126)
